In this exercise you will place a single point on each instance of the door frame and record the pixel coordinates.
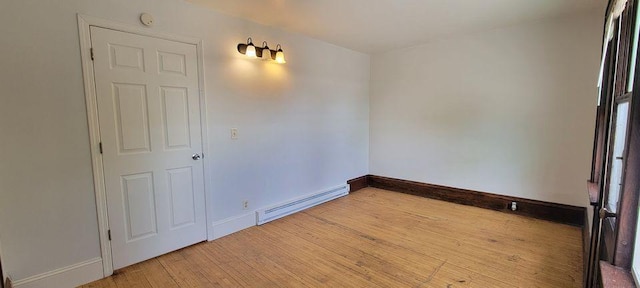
(84, 24)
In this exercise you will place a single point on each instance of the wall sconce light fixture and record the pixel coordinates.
(263, 52)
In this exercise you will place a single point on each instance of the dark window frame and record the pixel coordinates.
(618, 233)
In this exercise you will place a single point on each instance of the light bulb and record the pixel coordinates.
(251, 51)
(266, 53)
(280, 55)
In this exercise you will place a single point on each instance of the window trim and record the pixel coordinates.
(628, 202)
(618, 234)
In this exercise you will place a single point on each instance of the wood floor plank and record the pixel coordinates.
(292, 256)
(458, 244)
(393, 258)
(256, 257)
(269, 270)
(209, 267)
(329, 262)
(134, 278)
(183, 271)
(238, 269)
(446, 215)
(445, 212)
(156, 274)
(375, 238)
(108, 282)
(470, 236)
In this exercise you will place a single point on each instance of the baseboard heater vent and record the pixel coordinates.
(283, 209)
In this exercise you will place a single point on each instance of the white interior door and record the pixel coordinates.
(149, 114)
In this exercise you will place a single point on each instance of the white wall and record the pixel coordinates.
(508, 111)
(303, 126)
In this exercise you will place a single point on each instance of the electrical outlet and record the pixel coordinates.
(245, 205)
(234, 133)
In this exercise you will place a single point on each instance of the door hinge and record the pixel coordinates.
(100, 147)
(91, 49)
(109, 234)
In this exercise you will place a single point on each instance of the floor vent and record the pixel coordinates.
(278, 211)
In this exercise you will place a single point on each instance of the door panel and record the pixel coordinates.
(182, 198)
(140, 208)
(149, 114)
(175, 108)
(124, 57)
(172, 63)
(132, 121)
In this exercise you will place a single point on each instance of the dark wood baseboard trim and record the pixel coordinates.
(358, 183)
(560, 213)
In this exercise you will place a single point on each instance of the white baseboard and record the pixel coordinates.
(70, 276)
(233, 224)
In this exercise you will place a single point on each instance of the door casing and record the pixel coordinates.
(84, 24)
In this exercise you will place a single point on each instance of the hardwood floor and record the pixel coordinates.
(375, 238)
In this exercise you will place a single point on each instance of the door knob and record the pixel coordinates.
(196, 156)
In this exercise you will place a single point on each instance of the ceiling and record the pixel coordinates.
(372, 26)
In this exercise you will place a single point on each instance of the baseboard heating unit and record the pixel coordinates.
(298, 204)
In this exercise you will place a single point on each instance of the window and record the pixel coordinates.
(634, 53)
(635, 265)
(619, 138)
(616, 158)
